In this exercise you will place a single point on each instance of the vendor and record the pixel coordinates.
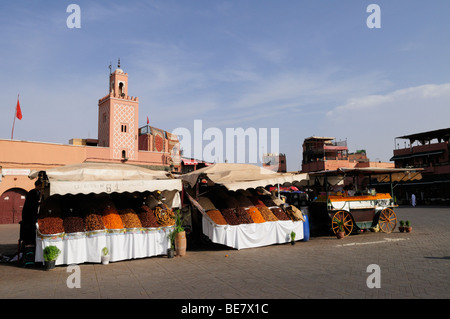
(30, 214)
(349, 189)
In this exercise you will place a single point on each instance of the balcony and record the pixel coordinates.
(421, 151)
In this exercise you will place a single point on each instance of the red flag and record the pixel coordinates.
(18, 110)
(148, 122)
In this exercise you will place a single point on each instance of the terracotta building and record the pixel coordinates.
(429, 151)
(325, 153)
(120, 140)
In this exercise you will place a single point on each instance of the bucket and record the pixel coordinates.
(306, 228)
(180, 243)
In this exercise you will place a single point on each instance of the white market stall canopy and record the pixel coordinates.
(99, 178)
(243, 176)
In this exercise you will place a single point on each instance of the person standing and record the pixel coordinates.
(30, 214)
(413, 200)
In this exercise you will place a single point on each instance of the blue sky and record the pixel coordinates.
(306, 67)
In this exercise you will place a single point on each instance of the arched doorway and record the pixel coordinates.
(11, 204)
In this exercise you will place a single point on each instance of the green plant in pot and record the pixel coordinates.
(51, 253)
(408, 227)
(340, 233)
(401, 228)
(105, 256)
(180, 234)
(171, 249)
(292, 237)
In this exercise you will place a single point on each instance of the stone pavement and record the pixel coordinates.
(411, 265)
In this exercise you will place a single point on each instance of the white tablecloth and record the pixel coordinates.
(87, 247)
(252, 235)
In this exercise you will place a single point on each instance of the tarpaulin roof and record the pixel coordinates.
(242, 176)
(381, 173)
(98, 178)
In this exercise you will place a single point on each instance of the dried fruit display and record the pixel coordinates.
(50, 225)
(147, 217)
(255, 214)
(266, 213)
(49, 218)
(293, 213)
(216, 217)
(129, 218)
(279, 213)
(73, 224)
(229, 214)
(111, 218)
(243, 216)
(164, 215)
(93, 221)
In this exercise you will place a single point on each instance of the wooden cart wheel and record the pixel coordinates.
(387, 220)
(347, 220)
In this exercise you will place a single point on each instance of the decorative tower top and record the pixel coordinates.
(118, 84)
(119, 70)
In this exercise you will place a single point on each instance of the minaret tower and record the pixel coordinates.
(118, 116)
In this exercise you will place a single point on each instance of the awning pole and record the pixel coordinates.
(392, 188)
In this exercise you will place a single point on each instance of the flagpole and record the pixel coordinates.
(14, 121)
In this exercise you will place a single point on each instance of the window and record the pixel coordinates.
(121, 89)
(123, 128)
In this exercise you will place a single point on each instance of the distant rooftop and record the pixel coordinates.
(320, 138)
(441, 134)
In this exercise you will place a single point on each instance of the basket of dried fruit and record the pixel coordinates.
(147, 218)
(93, 224)
(164, 215)
(130, 220)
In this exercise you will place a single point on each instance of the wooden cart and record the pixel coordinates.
(365, 209)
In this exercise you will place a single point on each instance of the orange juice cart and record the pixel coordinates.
(346, 198)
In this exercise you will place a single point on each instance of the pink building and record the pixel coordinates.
(120, 140)
(429, 151)
(325, 153)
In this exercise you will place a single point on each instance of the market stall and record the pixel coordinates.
(356, 206)
(89, 206)
(237, 211)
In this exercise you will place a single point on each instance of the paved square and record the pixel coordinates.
(411, 265)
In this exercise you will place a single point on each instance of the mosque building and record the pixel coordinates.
(120, 140)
